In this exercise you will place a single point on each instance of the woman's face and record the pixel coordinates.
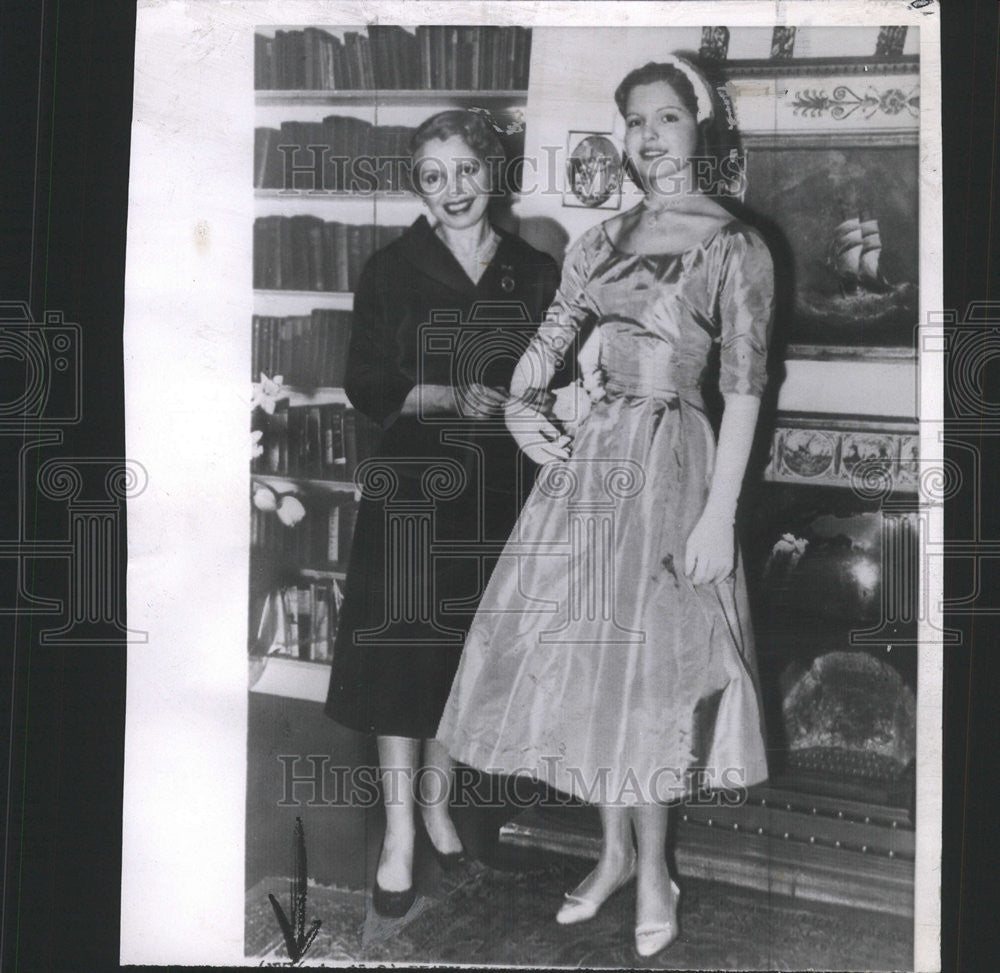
(661, 135)
(453, 182)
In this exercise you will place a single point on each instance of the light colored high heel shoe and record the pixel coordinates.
(578, 908)
(651, 937)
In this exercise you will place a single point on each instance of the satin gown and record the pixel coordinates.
(593, 663)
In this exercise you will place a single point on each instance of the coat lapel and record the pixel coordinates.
(425, 250)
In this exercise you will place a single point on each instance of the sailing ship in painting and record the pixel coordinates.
(859, 294)
(854, 256)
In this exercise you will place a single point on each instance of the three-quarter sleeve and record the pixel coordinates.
(571, 307)
(746, 313)
(373, 381)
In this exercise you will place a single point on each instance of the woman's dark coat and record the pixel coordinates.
(442, 493)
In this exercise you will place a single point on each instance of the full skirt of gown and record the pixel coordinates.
(594, 664)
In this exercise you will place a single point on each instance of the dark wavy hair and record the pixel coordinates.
(650, 74)
(471, 127)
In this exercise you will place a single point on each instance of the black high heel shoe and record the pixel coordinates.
(392, 905)
(389, 904)
(450, 861)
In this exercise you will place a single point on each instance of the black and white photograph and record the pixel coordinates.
(571, 379)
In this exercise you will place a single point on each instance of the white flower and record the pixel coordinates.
(267, 394)
(290, 511)
(264, 498)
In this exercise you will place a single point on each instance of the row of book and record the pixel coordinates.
(339, 154)
(300, 621)
(467, 58)
(306, 253)
(320, 541)
(307, 350)
(321, 442)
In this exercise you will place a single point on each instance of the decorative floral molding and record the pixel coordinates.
(844, 102)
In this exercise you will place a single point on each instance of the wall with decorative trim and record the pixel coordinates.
(807, 87)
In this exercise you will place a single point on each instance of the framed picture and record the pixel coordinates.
(593, 171)
(832, 177)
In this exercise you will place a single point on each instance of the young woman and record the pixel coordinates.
(446, 471)
(612, 655)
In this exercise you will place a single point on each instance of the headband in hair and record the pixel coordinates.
(702, 92)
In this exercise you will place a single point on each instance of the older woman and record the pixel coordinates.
(443, 492)
(612, 654)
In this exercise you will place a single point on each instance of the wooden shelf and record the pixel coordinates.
(276, 303)
(337, 195)
(317, 396)
(385, 96)
(284, 484)
(278, 675)
(322, 573)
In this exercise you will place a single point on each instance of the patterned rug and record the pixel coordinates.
(487, 917)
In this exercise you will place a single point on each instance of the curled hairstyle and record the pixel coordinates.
(681, 84)
(471, 127)
(651, 73)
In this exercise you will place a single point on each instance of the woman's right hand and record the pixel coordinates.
(537, 438)
(477, 401)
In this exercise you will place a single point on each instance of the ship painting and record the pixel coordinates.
(842, 224)
(853, 291)
(854, 256)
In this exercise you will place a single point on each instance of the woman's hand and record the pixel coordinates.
(571, 405)
(479, 401)
(710, 556)
(537, 438)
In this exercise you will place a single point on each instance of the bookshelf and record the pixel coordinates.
(388, 97)
(352, 93)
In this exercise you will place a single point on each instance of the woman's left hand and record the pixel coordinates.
(710, 556)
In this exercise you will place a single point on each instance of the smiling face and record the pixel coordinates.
(453, 182)
(661, 135)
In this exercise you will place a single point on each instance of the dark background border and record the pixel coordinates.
(66, 99)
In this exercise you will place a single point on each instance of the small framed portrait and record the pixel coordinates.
(593, 171)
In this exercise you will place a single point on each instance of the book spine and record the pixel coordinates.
(327, 437)
(452, 57)
(259, 61)
(439, 39)
(341, 338)
(317, 270)
(347, 521)
(367, 67)
(337, 422)
(350, 444)
(524, 68)
(333, 535)
(340, 78)
(314, 442)
(424, 56)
